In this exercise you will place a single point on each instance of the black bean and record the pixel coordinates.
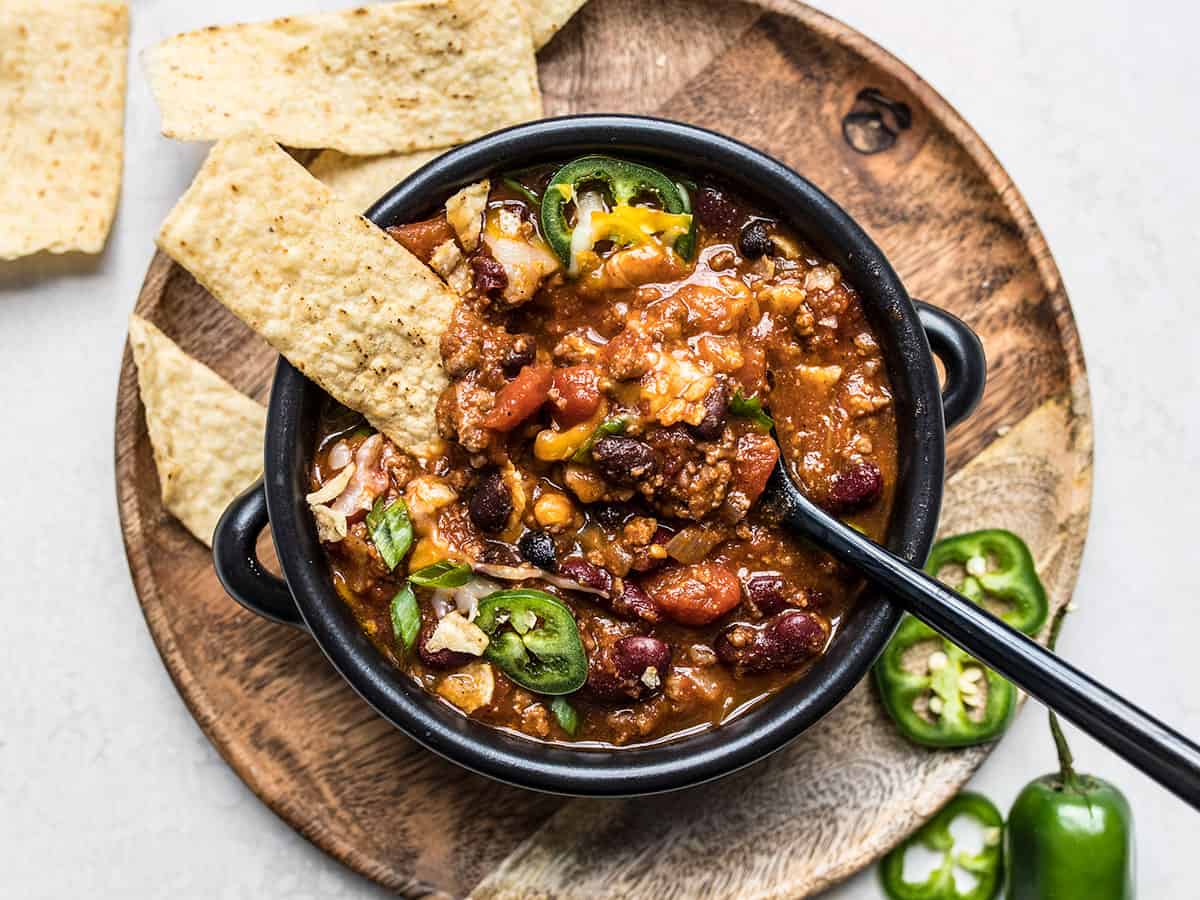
(610, 515)
(623, 460)
(634, 655)
(716, 411)
(855, 488)
(521, 353)
(491, 503)
(538, 548)
(714, 208)
(755, 240)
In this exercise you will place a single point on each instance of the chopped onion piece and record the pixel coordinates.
(521, 573)
(466, 598)
(583, 237)
(693, 543)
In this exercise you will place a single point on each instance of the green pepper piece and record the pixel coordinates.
(935, 835)
(391, 531)
(1070, 836)
(996, 563)
(605, 429)
(516, 186)
(1013, 578)
(533, 638)
(566, 715)
(406, 617)
(444, 574)
(626, 181)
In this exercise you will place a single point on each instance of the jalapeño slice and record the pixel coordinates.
(533, 638)
(626, 183)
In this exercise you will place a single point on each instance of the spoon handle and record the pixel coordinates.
(1158, 750)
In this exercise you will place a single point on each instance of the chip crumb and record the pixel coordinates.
(455, 632)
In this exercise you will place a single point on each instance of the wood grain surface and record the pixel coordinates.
(815, 94)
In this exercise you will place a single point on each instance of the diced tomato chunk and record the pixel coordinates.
(422, 238)
(520, 398)
(575, 394)
(757, 455)
(694, 595)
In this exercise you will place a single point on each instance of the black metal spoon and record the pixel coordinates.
(1158, 750)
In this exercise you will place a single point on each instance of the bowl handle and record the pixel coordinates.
(959, 349)
(235, 556)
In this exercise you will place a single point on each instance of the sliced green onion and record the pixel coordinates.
(750, 408)
(444, 574)
(391, 531)
(566, 715)
(406, 617)
(522, 190)
(607, 428)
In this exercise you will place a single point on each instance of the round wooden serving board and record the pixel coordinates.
(815, 94)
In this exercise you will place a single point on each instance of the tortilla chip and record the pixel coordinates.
(546, 17)
(347, 305)
(361, 180)
(404, 76)
(207, 435)
(62, 110)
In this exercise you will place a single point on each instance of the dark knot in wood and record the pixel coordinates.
(875, 121)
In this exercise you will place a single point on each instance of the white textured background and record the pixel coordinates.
(108, 788)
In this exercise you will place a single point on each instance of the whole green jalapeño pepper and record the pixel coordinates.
(980, 875)
(1069, 836)
(533, 638)
(946, 698)
(626, 183)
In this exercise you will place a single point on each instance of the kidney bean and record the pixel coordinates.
(488, 275)
(714, 208)
(438, 659)
(855, 488)
(755, 240)
(491, 503)
(694, 595)
(634, 655)
(782, 642)
(766, 590)
(634, 602)
(623, 460)
(579, 569)
(716, 411)
(537, 547)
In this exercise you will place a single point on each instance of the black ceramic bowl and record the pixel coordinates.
(307, 598)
